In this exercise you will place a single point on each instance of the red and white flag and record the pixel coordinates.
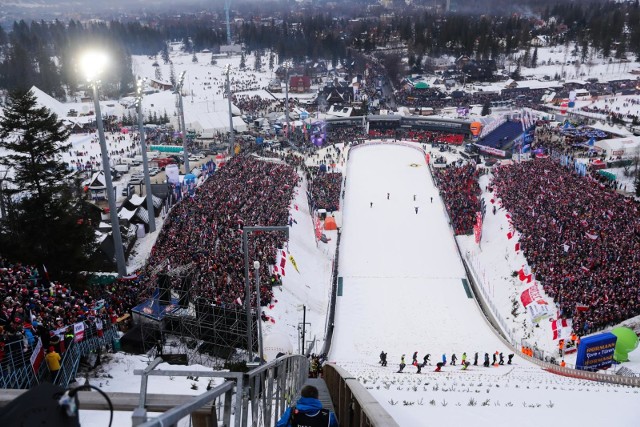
(238, 301)
(509, 235)
(518, 247)
(592, 236)
(582, 307)
(281, 262)
(37, 356)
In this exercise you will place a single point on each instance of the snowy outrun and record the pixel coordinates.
(402, 277)
(402, 291)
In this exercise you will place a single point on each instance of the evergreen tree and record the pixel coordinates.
(158, 74)
(172, 75)
(243, 63)
(194, 58)
(45, 224)
(534, 58)
(486, 109)
(213, 59)
(165, 52)
(258, 61)
(271, 60)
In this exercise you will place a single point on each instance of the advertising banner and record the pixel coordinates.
(596, 352)
(78, 331)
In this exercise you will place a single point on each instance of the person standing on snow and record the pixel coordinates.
(464, 357)
(454, 358)
(486, 360)
(425, 359)
(475, 359)
(414, 359)
(402, 364)
(444, 359)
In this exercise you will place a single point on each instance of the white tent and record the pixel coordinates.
(626, 147)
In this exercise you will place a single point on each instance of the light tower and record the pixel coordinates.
(227, 71)
(92, 64)
(145, 163)
(227, 6)
(181, 123)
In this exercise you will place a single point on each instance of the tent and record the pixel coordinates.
(330, 223)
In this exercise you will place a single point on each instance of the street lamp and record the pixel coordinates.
(182, 124)
(92, 64)
(227, 70)
(287, 66)
(256, 267)
(145, 163)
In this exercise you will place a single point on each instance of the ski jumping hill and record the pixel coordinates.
(404, 285)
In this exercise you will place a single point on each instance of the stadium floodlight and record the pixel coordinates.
(92, 64)
(232, 141)
(145, 164)
(181, 123)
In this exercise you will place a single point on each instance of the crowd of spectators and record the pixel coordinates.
(32, 307)
(459, 189)
(324, 189)
(339, 134)
(253, 104)
(581, 240)
(206, 230)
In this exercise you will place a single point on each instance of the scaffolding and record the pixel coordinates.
(193, 325)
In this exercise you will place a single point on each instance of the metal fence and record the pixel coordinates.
(255, 398)
(71, 357)
(540, 357)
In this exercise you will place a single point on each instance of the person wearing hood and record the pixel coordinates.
(307, 411)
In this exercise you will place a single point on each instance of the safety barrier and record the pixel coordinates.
(496, 321)
(354, 405)
(71, 358)
(258, 397)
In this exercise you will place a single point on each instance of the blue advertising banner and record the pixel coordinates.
(596, 352)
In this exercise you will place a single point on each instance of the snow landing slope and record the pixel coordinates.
(403, 285)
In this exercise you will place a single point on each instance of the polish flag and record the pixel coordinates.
(509, 235)
(592, 236)
(582, 307)
(518, 247)
(238, 301)
(562, 323)
(281, 262)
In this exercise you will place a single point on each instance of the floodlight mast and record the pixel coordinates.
(185, 151)
(287, 66)
(92, 64)
(145, 164)
(232, 140)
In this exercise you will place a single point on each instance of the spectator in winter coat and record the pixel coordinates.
(53, 362)
(307, 411)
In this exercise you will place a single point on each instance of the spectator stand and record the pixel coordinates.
(248, 191)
